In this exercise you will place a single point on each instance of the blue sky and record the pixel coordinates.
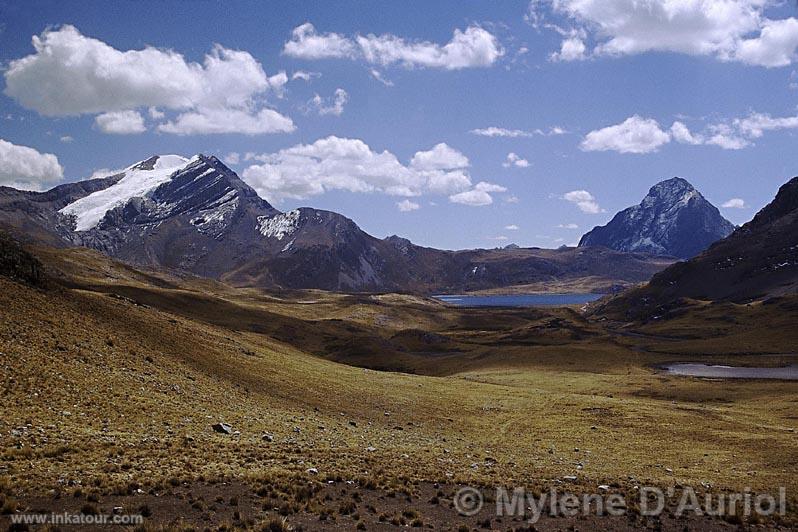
(596, 100)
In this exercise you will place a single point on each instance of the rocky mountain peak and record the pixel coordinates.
(673, 219)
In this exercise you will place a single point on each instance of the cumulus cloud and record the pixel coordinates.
(328, 106)
(633, 135)
(67, 138)
(734, 203)
(515, 160)
(335, 163)
(469, 48)
(729, 30)
(584, 200)
(571, 49)
(567, 226)
(71, 74)
(511, 227)
(407, 206)
(221, 120)
(26, 168)
(121, 123)
(478, 196)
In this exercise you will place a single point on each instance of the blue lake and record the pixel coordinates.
(519, 300)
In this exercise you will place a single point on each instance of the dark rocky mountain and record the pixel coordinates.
(198, 216)
(758, 261)
(673, 219)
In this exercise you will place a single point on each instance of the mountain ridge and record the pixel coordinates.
(204, 220)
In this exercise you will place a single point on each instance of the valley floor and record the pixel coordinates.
(351, 409)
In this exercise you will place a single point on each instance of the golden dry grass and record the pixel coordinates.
(114, 381)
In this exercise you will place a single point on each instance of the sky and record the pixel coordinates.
(456, 124)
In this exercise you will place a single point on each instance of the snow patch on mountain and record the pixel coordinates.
(139, 180)
(280, 225)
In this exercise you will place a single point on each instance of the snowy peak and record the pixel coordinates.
(137, 181)
(673, 219)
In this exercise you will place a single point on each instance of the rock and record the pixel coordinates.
(371, 449)
(569, 478)
(603, 487)
(267, 437)
(312, 471)
(669, 470)
(222, 428)
(353, 423)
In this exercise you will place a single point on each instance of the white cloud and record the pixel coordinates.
(729, 30)
(775, 46)
(335, 163)
(682, 134)
(305, 75)
(734, 203)
(567, 226)
(26, 168)
(329, 106)
(440, 157)
(584, 200)
(376, 74)
(478, 196)
(756, 124)
(67, 138)
(473, 47)
(571, 49)
(499, 238)
(121, 122)
(407, 205)
(511, 199)
(493, 131)
(221, 120)
(306, 43)
(633, 135)
(511, 227)
(71, 74)
(232, 158)
(155, 113)
(515, 160)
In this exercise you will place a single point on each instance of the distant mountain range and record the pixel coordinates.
(673, 219)
(197, 216)
(759, 261)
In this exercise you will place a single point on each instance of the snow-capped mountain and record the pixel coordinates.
(673, 219)
(196, 215)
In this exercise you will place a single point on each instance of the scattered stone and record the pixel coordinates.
(669, 470)
(312, 471)
(569, 478)
(222, 428)
(353, 423)
(371, 449)
(603, 487)
(268, 437)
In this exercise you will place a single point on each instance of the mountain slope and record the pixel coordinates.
(673, 219)
(197, 216)
(758, 261)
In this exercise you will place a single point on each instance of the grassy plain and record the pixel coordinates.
(111, 379)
